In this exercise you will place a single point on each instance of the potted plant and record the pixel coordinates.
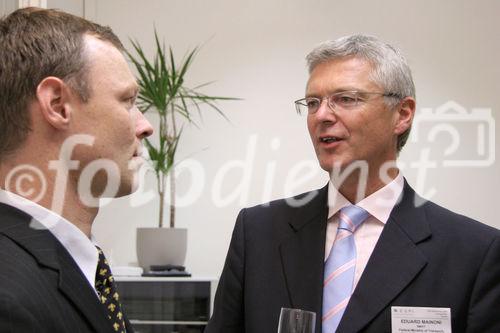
(162, 90)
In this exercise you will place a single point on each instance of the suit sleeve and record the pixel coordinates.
(485, 298)
(228, 314)
(14, 318)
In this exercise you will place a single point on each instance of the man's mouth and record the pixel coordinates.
(329, 139)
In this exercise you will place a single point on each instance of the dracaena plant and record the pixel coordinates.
(162, 90)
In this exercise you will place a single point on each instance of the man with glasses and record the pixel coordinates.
(365, 252)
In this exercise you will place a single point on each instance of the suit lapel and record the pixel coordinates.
(395, 261)
(44, 247)
(73, 284)
(302, 253)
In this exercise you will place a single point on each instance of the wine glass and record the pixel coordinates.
(296, 321)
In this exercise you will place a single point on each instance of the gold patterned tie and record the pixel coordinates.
(105, 286)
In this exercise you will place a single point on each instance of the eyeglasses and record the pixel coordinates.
(340, 101)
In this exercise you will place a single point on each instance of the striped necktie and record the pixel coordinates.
(340, 267)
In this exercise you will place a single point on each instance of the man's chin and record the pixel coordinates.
(345, 168)
(127, 188)
(334, 166)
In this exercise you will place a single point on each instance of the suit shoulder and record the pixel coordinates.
(457, 224)
(291, 203)
(22, 265)
(276, 216)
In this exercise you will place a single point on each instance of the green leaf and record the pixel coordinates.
(162, 89)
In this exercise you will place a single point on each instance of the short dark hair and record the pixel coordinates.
(36, 43)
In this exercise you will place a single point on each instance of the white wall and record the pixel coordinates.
(7, 6)
(255, 50)
(75, 7)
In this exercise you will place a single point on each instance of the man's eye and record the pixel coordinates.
(312, 103)
(346, 100)
(130, 100)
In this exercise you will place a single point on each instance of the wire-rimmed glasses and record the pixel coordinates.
(339, 101)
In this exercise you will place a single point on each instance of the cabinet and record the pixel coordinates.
(167, 304)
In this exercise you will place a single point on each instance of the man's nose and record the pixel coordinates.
(325, 112)
(143, 127)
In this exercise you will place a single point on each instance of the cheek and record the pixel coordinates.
(126, 124)
(309, 122)
(311, 125)
(128, 133)
(118, 132)
(374, 124)
(377, 138)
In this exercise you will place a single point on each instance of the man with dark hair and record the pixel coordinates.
(365, 252)
(70, 134)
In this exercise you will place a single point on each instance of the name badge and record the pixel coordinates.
(409, 319)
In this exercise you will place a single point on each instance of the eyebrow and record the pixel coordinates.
(134, 88)
(337, 90)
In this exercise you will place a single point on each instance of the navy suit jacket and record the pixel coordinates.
(42, 289)
(426, 256)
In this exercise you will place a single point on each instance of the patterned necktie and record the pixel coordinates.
(104, 284)
(340, 267)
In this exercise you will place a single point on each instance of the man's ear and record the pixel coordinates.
(405, 113)
(55, 100)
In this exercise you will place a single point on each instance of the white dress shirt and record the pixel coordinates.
(379, 204)
(82, 249)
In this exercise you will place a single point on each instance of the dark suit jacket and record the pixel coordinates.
(42, 289)
(426, 256)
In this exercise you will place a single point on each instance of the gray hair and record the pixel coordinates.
(391, 71)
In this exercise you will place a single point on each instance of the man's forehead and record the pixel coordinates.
(95, 47)
(106, 63)
(91, 41)
(340, 74)
(351, 63)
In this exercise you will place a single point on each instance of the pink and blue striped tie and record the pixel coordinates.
(340, 267)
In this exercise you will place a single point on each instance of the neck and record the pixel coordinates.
(51, 191)
(358, 185)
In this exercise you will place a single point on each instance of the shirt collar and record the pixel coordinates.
(379, 204)
(80, 247)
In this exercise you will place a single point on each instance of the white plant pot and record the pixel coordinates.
(161, 246)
